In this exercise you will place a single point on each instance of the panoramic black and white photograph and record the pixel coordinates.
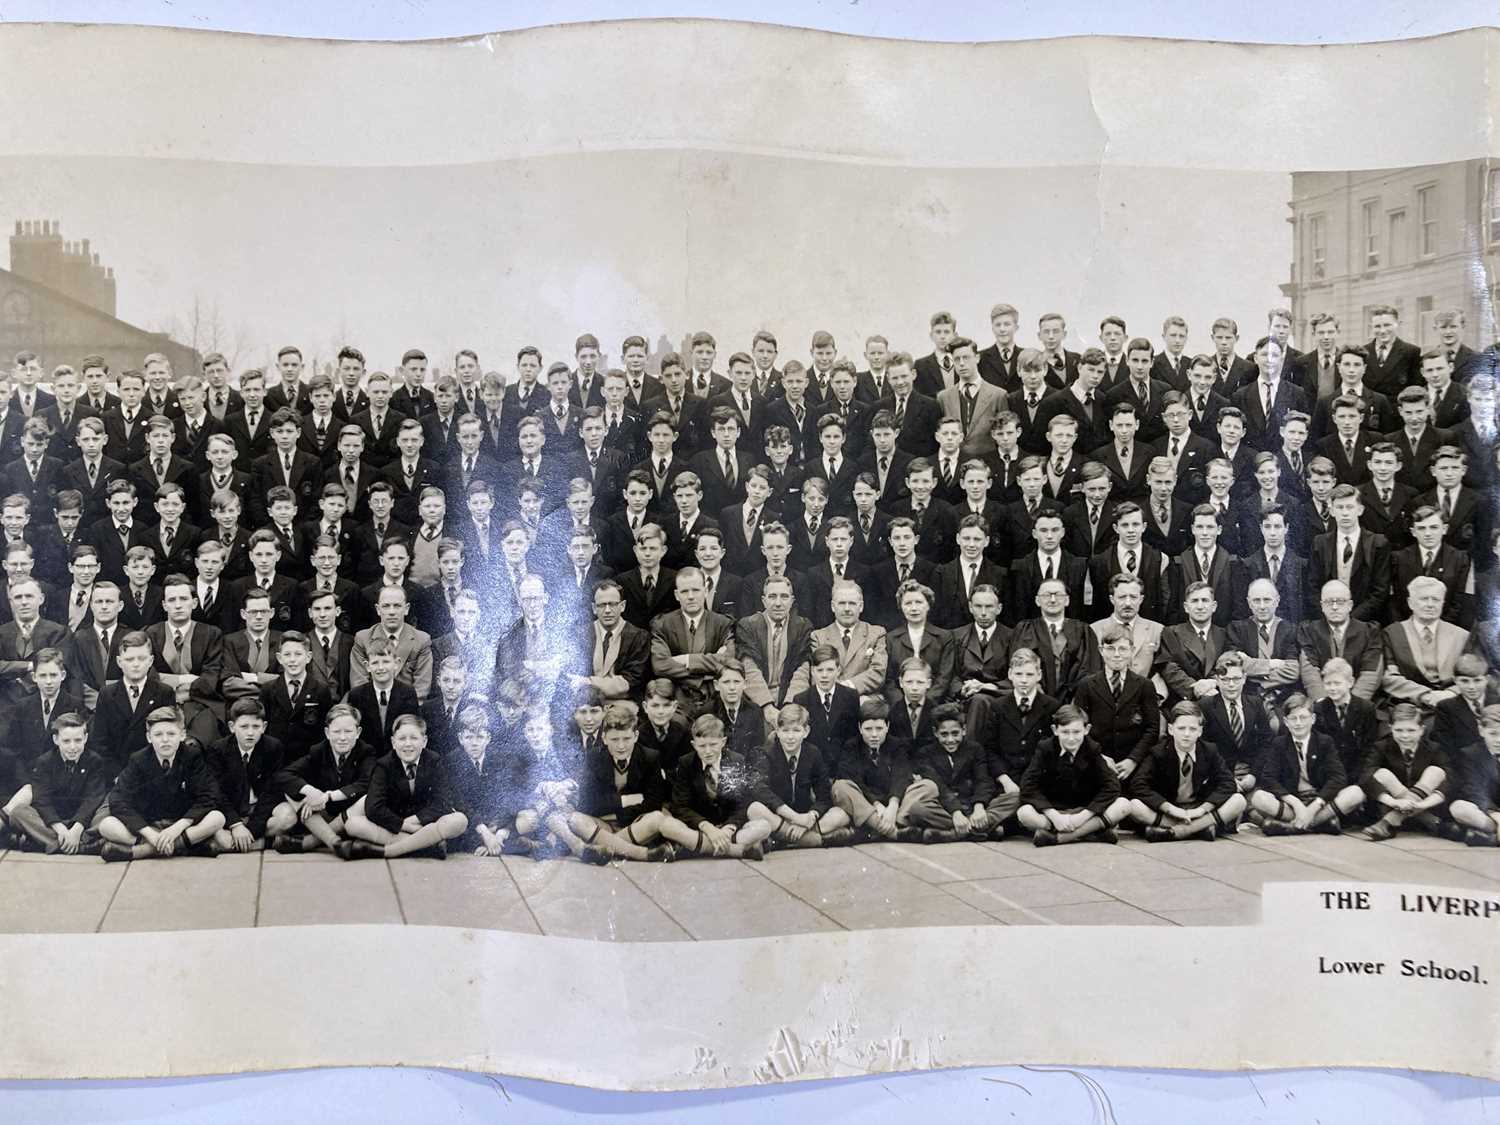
(683, 545)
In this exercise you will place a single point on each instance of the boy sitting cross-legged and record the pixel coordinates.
(878, 786)
(710, 793)
(792, 791)
(409, 808)
(1070, 792)
(1184, 789)
(1404, 776)
(67, 788)
(1477, 807)
(321, 787)
(1302, 786)
(163, 802)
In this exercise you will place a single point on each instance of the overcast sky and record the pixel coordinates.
(496, 255)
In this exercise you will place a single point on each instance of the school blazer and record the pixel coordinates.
(937, 524)
(832, 727)
(145, 793)
(773, 784)
(1011, 739)
(1052, 781)
(1405, 677)
(1093, 421)
(1278, 773)
(752, 643)
(1154, 782)
(975, 661)
(116, 730)
(486, 793)
(1291, 583)
(1148, 413)
(1449, 566)
(1125, 727)
(1461, 527)
(1026, 579)
(296, 723)
(963, 779)
(746, 731)
(917, 432)
(319, 768)
(1402, 367)
(1083, 540)
(1363, 648)
(247, 791)
(1250, 746)
(950, 607)
(390, 798)
(1455, 724)
(1386, 755)
(1369, 573)
(1260, 432)
(1060, 675)
(820, 580)
(640, 611)
(691, 801)
(597, 795)
(862, 665)
(1223, 576)
(63, 796)
(42, 492)
(1125, 485)
(936, 653)
(24, 730)
(1183, 658)
(1353, 737)
(403, 701)
(1416, 459)
(1155, 579)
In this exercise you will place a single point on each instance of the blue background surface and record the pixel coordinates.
(1001, 1094)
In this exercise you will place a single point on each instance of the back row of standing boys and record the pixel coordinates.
(614, 614)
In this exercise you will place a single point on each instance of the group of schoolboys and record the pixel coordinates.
(612, 613)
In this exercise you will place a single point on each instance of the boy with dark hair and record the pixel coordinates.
(244, 767)
(878, 786)
(66, 788)
(1069, 792)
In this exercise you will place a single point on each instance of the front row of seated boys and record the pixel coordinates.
(624, 785)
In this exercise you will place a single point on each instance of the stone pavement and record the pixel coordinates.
(874, 885)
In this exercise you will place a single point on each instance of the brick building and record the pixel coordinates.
(59, 301)
(1406, 237)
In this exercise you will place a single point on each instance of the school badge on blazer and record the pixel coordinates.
(283, 613)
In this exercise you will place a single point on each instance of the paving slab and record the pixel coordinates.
(1109, 913)
(747, 905)
(932, 908)
(1023, 893)
(951, 863)
(468, 891)
(1159, 895)
(186, 894)
(1254, 876)
(66, 894)
(570, 899)
(317, 889)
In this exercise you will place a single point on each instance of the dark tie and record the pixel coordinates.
(1236, 722)
(327, 651)
(384, 699)
(411, 773)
